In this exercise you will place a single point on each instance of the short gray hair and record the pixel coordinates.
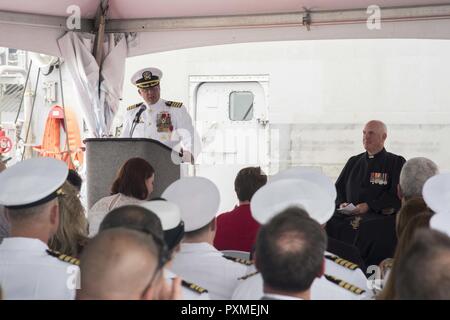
(414, 174)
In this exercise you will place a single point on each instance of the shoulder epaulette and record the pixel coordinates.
(193, 287)
(174, 104)
(249, 275)
(64, 257)
(239, 260)
(134, 106)
(345, 285)
(342, 262)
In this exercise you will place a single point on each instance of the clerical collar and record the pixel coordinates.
(376, 155)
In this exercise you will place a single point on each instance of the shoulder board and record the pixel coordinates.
(193, 287)
(134, 106)
(174, 104)
(248, 275)
(239, 260)
(345, 285)
(64, 257)
(342, 262)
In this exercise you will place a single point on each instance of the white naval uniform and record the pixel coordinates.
(355, 277)
(147, 126)
(204, 265)
(28, 272)
(187, 294)
(251, 288)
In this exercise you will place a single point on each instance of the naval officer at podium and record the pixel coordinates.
(158, 119)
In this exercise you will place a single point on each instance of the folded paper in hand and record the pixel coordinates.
(347, 209)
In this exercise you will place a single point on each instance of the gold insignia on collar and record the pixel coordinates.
(174, 104)
(193, 287)
(342, 262)
(239, 260)
(64, 257)
(345, 285)
(248, 275)
(134, 106)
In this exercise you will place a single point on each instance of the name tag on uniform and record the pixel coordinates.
(164, 122)
(379, 178)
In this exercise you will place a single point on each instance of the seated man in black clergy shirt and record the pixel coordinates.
(369, 181)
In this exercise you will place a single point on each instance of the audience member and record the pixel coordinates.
(198, 261)
(314, 194)
(424, 269)
(72, 233)
(173, 228)
(236, 230)
(28, 269)
(391, 273)
(133, 184)
(121, 264)
(414, 174)
(290, 255)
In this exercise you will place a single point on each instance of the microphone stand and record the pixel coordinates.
(136, 120)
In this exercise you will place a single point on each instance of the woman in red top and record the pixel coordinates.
(237, 230)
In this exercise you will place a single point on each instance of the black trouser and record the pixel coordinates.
(373, 234)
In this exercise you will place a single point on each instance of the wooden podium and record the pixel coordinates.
(104, 157)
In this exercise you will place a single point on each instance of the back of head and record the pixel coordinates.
(409, 209)
(30, 215)
(414, 174)
(73, 225)
(131, 178)
(417, 222)
(135, 218)
(29, 192)
(424, 270)
(290, 251)
(118, 264)
(248, 181)
(74, 179)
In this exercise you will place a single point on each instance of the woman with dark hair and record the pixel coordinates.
(133, 184)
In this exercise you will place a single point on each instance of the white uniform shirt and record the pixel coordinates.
(204, 265)
(180, 120)
(187, 294)
(321, 289)
(355, 277)
(28, 272)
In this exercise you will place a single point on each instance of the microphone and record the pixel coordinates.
(136, 119)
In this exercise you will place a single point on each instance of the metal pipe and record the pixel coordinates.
(317, 18)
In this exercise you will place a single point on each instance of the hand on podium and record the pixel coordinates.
(186, 156)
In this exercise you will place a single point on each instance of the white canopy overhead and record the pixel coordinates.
(160, 25)
(173, 24)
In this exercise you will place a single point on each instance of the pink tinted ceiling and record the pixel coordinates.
(133, 9)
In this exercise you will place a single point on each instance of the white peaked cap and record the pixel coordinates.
(139, 74)
(436, 193)
(29, 182)
(277, 196)
(198, 199)
(313, 175)
(168, 212)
